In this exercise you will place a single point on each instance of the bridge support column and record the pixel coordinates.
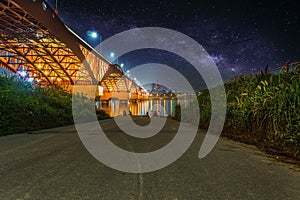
(115, 103)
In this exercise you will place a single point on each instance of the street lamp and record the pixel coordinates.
(234, 71)
(113, 55)
(123, 67)
(94, 35)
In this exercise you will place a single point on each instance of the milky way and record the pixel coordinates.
(242, 38)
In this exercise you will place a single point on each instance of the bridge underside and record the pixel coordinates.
(35, 44)
(26, 45)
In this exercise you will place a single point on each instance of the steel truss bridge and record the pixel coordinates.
(34, 40)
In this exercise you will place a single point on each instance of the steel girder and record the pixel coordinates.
(35, 40)
(26, 44)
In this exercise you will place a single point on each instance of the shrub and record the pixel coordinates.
(26, 108)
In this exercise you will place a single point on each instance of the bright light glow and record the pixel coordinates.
(100, 89)
(23, 73)
(112, 54)
(127, 71)
(94, 34)
(30, 80)
(122, 65)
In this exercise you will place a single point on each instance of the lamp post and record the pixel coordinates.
(94, 35)
(234, 71)
(113, 56)
(123, 67)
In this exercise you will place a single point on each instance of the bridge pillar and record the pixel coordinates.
(115, 103)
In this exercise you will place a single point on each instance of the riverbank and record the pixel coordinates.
(262, 110)
(25, 108)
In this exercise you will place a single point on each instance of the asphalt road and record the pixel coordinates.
(54, 164)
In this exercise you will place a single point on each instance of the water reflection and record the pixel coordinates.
(163, 107)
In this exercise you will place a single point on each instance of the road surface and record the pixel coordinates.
(54, 164)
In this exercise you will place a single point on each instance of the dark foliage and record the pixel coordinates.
(26, 108)
(261, 110)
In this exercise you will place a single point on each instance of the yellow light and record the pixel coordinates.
(100, 89)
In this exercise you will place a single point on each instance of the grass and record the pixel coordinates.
(262, 110)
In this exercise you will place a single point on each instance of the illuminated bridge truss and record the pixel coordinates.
(33, 40)
(26, 45)
(114, 81)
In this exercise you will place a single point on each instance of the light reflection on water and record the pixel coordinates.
(162, 107)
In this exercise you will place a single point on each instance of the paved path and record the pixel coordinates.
(53, 164)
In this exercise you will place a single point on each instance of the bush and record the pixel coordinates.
(26, 108)
(101, 114)
(177, 112)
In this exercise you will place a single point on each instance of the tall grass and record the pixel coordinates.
(262, 110)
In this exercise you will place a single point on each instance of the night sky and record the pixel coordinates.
(242, 37)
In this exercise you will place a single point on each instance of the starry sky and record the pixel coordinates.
(241, 36)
